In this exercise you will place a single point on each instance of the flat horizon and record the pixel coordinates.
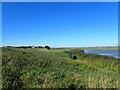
(60, 47)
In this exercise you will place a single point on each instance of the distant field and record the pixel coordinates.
(42, 68)
(101, 48)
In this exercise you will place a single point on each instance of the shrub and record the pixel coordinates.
(74, 57)
(48, 47)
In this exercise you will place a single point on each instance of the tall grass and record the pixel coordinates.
(41, 68)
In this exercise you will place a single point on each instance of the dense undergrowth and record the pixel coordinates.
(41, 68)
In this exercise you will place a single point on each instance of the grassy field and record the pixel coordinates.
(42, 68)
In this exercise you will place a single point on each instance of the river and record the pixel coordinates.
(113, 53)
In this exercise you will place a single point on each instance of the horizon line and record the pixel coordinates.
(59, 46)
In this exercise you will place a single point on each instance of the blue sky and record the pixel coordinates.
(0, 24)
(60, 24)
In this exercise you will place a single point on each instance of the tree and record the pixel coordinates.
(48, 47)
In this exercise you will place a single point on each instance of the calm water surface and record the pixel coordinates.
(113, 53)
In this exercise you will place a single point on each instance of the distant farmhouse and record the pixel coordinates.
(37, 47)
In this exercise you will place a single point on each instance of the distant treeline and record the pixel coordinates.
(48, 47)
(24, 46)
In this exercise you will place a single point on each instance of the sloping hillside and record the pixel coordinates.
(42, 68)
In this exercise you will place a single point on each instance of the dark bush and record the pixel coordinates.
(72, 87)
(74, 57)
(23, 52)
(48, 47)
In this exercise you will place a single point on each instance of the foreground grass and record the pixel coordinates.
(42, 68)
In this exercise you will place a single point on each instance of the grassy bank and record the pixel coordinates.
(42, 68)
